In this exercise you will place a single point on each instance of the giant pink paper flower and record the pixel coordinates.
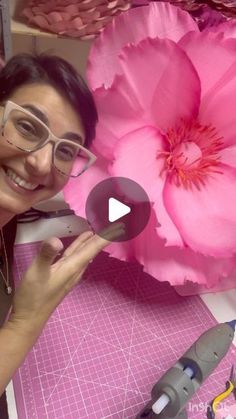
(165, 95)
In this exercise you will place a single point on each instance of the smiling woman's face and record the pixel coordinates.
(36, 168)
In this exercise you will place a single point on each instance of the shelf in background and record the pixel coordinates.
(72, 49)
(21, 28)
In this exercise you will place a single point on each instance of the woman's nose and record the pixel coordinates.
(39, 162)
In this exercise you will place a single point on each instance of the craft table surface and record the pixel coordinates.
(222, 304)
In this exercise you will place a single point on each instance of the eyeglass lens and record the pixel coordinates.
(27, 133)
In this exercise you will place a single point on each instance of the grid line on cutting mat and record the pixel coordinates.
(107, 344)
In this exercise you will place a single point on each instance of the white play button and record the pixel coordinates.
(118, 199)
(116, 209)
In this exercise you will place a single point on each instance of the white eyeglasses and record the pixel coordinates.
(26, 132)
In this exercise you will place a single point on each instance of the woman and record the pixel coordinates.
(48, 121)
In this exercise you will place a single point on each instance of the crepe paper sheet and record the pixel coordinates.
(107, 344)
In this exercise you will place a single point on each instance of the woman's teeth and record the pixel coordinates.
(21, 182)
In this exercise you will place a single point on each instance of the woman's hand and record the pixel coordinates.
(45, 283)
(42, 288)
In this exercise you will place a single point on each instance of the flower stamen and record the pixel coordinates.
(193, 153)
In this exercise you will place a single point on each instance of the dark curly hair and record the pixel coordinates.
(50, 69)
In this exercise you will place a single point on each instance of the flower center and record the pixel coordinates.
(194, 153)
(186, 155)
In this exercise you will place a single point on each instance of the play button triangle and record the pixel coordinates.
(118, 199)
(117, 209)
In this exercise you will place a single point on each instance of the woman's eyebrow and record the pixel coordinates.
(73, 136)
(40, 115)
(36, 112)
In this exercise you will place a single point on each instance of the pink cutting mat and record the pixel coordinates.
(108, 343)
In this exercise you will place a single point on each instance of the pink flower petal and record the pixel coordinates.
(119, 112)
(199, 46)
(157, 19)
(178, 265)
(218, 82)
(55, 17)
(160, 74)
(166, 228)
(41, 21)
(218, 106)
(228, 156)
(206, 218)
(77, 189)
(156, 73)
(122, 250)
(137, 157)
(228, 28)
(27, 12)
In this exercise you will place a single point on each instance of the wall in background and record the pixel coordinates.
(74, 51)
